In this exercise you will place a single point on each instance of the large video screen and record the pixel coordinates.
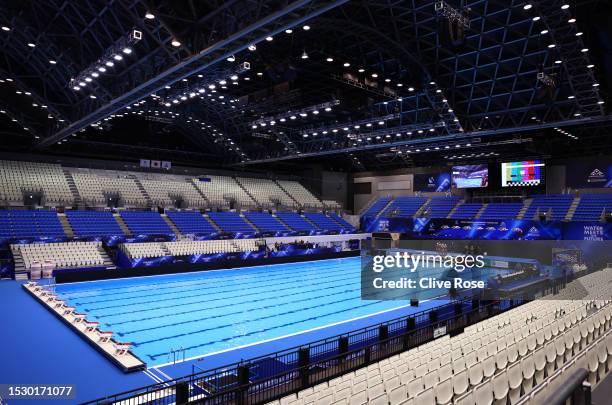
(522, 174)
(470, 176)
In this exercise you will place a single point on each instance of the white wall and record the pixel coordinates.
(396, 185)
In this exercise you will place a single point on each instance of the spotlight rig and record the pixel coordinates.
(454, 23)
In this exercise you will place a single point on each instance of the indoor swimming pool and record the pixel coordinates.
(208, 312)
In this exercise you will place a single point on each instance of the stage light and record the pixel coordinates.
(82, 84)
(346, 64)
(252, 47)
(109, 63)
(292, 117)
(51, 61)
(92, 96)
(330, 59)
(5, 28)
(565, 7)
(315, 112)
(77, 88)
(595, 84)
(88, 79)
(571, 97)
(544, 32)
(31, 45)
(399, 85)
(102, 69)
(558, 61)
(600, 102)
(578, 34)
(551, 46)
(149, 16)
(127, 51)
(361, 70)
(304, 55)
(410, 88)
(571, 20)
(175, 43)
(527, 6)
(234, 77)
(269, 39)
(222, 82)
(328, 109)
(432, 83)
(387, 80)
(591, 66)
(374, 75)
(231, 58)
(536, 18)
(259, 74)
(95, 74)
(306, 27)
(381, 122)
(288, 31)
(583, 50)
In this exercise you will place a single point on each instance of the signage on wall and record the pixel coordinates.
(155, 164)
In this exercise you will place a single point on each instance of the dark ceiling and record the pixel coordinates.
(368, 85)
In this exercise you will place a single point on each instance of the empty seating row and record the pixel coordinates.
(24, 224)
(266, 192)
(191, 222)
(592, 206)
(466, 211)
(296, 222)
(323, 221)
(554, 206)
(231, 222)
(172, 192)
(189, 247)
(404, 206)
(96, 186)
(377, 206)
(61, 255)
(219, 190)
(440, 207)
(145, 222)
(501, 211)
(342, 222)
(18, 178)
(144, 250)
(496, 361)
(93, 223)
(301, 194)
(265, 222)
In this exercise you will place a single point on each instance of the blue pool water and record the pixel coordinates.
(208, 312)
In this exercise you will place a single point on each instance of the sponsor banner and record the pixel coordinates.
(596, 174)
(587, 231)
(432, 182)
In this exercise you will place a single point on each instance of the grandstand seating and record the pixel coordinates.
(188, 247)
(144, 250)
(323, 221)
(592, 206)
(556, 205)
(501, 211)
(231, 222)
(440, 207)
(342, 222)
(265, 222)
(301, 194)
(189, 222)
(61, 255)
(95, 187)
(377, 206)
(520, 355)
(404, 206)
(219, 189)
(93, 223)
(264, 191)
(166, 192)
(19, 177)
(145, 222)
(466, 211)
(295, 221)
(24, 224)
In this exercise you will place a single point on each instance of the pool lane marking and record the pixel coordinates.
(208, 286)
(201, 271)
(148, 308)
(284, 336)
(217, 307)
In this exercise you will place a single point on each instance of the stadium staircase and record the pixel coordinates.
(368, 205)
(451, 212)
(481, 210)
(248, 221)
(143, 191)
(78, 201)
(65, 224)
(422, 209)
(286, 192)
(20, 271)
(171, 225)
(572, 208)
(246, 191)
(310, 222)
(526, 204)
(122, 224)
(383, 209)
(213, 223)
(193, 183)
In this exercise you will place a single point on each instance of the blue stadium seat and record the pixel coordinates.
(439, 207)
(93, 223)
(265, 222)
(376, 207)
(347, 227)
(466, 211)
(323, 221)
(592, 206)
(295, 221)
(145, 222)
(404, 207)
(191, 222)
(27, 224)
(231, 222)
(501, 211)
(558, 205)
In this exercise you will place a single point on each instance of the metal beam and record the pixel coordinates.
(235, 43)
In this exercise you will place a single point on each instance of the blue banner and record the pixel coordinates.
(432, 182)
(587, 231)
(592, 174)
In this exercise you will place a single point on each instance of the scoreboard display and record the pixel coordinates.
(522, 174)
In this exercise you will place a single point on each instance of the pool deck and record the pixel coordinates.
(60, 356)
